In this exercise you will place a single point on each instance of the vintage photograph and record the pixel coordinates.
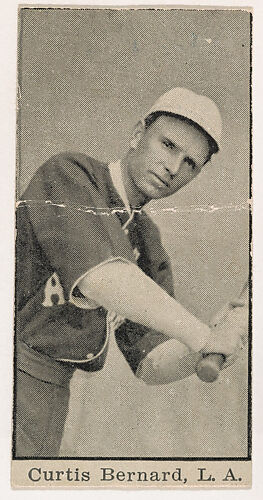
(133, 267)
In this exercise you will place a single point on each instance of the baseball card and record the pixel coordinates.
(133, 279)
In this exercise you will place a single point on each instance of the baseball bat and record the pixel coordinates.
(209, 367)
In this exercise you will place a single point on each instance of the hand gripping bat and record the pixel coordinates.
(209, 367)
(172, 360)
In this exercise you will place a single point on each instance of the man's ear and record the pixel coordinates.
(137, 134)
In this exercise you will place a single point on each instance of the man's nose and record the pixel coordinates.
(174, 164)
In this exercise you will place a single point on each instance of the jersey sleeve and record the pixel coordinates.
(155, 261)
(135, 341)
(72, 222)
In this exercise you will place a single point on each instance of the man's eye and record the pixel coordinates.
(168, 144)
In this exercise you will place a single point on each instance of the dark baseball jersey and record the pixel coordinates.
(69, 221)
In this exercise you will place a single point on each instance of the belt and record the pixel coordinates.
(41, 366)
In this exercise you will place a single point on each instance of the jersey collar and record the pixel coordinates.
(116, 177)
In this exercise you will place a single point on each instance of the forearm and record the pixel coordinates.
(230, 327)
(124, 288)
(236, 307)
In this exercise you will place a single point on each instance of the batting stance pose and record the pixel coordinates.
(90, 262)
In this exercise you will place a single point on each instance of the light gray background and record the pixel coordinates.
(85, 79)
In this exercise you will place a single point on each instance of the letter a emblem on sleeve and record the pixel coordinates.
(53, 292)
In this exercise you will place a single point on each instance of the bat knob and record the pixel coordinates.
(209, 367)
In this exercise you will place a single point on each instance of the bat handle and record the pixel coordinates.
(209, 367)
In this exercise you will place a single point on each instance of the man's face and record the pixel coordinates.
(165, 157)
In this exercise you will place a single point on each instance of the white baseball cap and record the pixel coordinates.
(197, 108)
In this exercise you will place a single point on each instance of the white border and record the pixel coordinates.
(8, 42)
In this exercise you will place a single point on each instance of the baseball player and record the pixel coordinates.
(90, 262)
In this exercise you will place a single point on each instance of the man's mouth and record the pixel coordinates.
(160, 181)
